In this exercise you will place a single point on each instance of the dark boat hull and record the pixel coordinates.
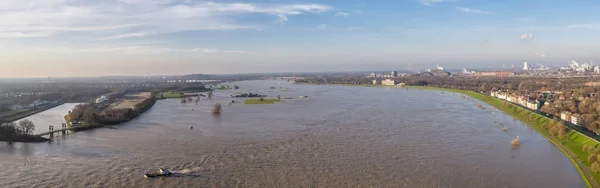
(154, 175)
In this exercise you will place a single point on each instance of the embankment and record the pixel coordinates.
(23, 138)
(24, 114)
(571, 145)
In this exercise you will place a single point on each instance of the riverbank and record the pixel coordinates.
(263, 101)
(23, 138)
(571, 145)
(24, 114)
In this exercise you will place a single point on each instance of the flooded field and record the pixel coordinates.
(339, 136)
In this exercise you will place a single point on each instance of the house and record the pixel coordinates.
(565, 116)
(388, 82)
(375, 82)
(575, 119)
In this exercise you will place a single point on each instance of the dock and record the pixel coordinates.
(51, 129)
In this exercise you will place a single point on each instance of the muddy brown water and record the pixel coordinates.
(340, 136)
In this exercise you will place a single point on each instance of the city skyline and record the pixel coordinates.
(73, 38)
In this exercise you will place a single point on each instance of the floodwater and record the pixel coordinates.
(340, 136)
(54, 117)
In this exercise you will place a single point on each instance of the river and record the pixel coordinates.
(340, 136)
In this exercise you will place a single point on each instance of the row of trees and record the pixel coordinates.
(23, 127)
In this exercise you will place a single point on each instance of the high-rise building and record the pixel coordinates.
(525, 66)
(394, 73)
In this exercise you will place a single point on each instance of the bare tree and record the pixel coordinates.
(217, 109)
(27, 126)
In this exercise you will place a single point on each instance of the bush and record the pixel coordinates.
(516, 142)
(595, 167)
(591, 158)
(236, 87)
(585, 148)
(420, 83)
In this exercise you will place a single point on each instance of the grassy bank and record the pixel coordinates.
(264, 101)
(571, 145)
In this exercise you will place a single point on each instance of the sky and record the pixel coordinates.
(67, 38)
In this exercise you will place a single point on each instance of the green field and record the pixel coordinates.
(265, 101)
(223, 88)
(167, 95)
(571, 145)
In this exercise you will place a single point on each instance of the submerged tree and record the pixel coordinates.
(217, 109)
(236, 87)
(27, 126)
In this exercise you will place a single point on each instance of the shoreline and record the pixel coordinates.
(25, 114)
(587, 178)
(24, 138)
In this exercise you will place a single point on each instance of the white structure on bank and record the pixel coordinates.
(101, 99)
(388, 82)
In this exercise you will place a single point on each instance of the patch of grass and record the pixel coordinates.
(167, 95)
(571, 145)
(264, 101)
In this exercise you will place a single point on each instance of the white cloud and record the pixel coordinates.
(526, 37)
(214, 50)
(541, 55)
(126, 35)
(33, 34)
(115, 49)
(432, 2)
(353, 28)
(204, 50)
(342, 14)
(238, 52)
(470, 10)
(118, 18)
(320, 27)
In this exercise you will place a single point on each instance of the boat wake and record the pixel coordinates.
(187, 170)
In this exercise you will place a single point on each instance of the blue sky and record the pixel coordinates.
(137, 37)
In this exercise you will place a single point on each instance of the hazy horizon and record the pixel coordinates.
(84, 38)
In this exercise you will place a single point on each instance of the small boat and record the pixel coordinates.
(161, 172)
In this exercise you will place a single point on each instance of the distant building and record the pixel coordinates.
(394, 73)
(388, 82)
(373, 75)
(525, 66)
(375, 82)
(493, 74)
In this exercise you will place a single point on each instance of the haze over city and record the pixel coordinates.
(70, 38)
